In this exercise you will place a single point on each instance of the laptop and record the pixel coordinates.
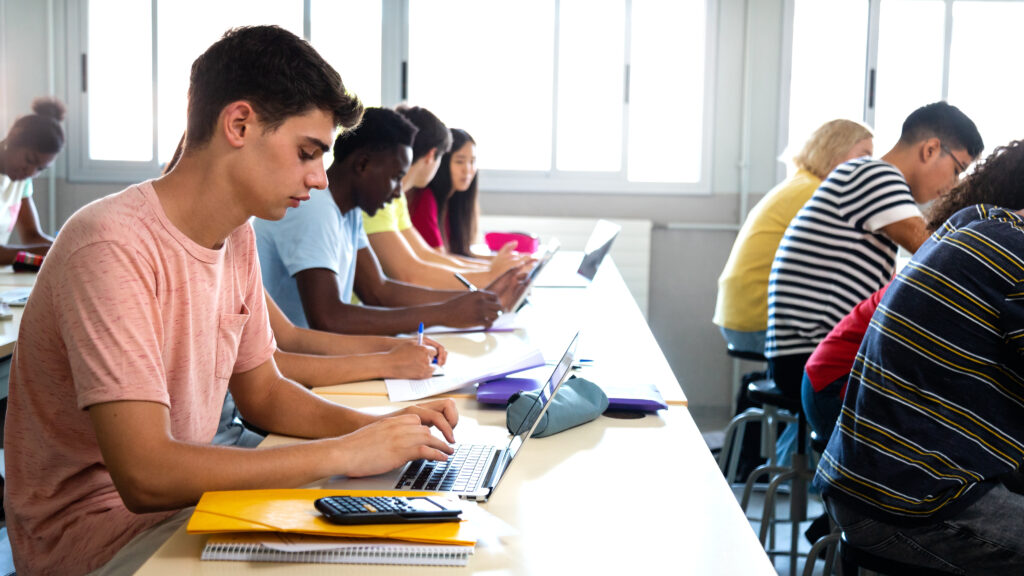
(475, 470)
(549, 253)
(561, 275)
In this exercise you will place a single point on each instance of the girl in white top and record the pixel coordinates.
(30, 146)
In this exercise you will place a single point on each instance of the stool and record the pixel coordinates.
(856, 559)
(744, 355)
(798, 474)
(735, 432)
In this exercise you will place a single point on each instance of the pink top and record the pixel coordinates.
(423, 211)
(833, 357)
(126, 307)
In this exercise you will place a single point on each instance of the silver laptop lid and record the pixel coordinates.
(598, 245)
(533, 416)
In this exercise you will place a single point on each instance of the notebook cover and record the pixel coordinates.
(293, 511)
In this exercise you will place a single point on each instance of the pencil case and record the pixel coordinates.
(526, 243)
(577, 401)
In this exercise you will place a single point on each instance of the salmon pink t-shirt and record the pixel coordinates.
(126, 307)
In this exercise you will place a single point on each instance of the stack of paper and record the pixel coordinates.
(267, 517)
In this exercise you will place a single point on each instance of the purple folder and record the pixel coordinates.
(500, 390)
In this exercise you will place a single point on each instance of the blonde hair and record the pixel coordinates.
(829, 144)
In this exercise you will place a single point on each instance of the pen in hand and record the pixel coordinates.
(419, 341)
(465, 282)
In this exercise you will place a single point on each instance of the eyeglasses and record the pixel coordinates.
(959, 167)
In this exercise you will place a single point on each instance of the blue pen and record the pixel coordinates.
(420, 342)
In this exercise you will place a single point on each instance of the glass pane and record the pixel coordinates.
(120, 89)
(182, 37)
(347, 33)
(910, 47)
(591, 68)
(487, 67)
(827, 80)
(666, 91)
(985, 35)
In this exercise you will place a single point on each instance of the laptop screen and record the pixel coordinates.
(598, 245)
(543, 400)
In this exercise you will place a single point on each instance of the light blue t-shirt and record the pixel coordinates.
(314, 235)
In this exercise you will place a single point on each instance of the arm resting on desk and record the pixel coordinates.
(153, 471)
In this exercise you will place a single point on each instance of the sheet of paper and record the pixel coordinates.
(504, 323)
(460, 372)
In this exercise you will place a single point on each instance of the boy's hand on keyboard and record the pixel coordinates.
(441, 414)
(388, 443)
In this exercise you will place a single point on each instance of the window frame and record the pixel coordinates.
(870, 67)
(394, 57)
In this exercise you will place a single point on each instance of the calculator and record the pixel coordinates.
(385, 509)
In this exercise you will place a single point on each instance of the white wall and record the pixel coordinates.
(685, 260)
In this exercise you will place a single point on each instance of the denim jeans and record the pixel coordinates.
(985, 538)
(822, 408)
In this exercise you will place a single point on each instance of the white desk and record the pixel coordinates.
(9, 280)
(657, 504)
(614, 334)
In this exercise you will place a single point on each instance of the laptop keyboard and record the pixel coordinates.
(462, 471)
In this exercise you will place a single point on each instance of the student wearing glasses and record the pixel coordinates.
(741, 310)
(924, 463)
(841, 246)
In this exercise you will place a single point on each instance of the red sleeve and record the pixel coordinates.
(423, 212)
(834, 356)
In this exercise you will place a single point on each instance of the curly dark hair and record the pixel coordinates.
(998, 179)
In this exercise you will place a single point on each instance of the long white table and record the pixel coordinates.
(616, 495)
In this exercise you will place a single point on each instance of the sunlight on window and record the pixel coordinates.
(827, 80)
(666, 91)
(910, 46)
(182, 37)
(347, 33)
(985, 39)
(591, 70)
(120, 112)
(487, 68)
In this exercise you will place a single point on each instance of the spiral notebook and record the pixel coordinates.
(298, 548)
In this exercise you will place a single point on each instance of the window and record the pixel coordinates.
(126, 40)
(907, 79)
(827, 77)
(604, 94)
(918, 51)
(985, 38)
(568, 94)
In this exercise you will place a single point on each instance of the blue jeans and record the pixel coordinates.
(822, 408)
(985, 538)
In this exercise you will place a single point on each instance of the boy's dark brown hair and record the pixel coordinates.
(277, 72)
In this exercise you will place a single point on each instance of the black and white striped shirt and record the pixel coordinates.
(833, 254)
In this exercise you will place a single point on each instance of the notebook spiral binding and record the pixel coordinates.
(346, 554)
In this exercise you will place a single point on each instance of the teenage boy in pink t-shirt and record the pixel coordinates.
(150, 305)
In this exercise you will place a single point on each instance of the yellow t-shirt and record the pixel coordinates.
(393, 217)
(743, 286)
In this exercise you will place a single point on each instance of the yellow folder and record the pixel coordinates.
(293, 511)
